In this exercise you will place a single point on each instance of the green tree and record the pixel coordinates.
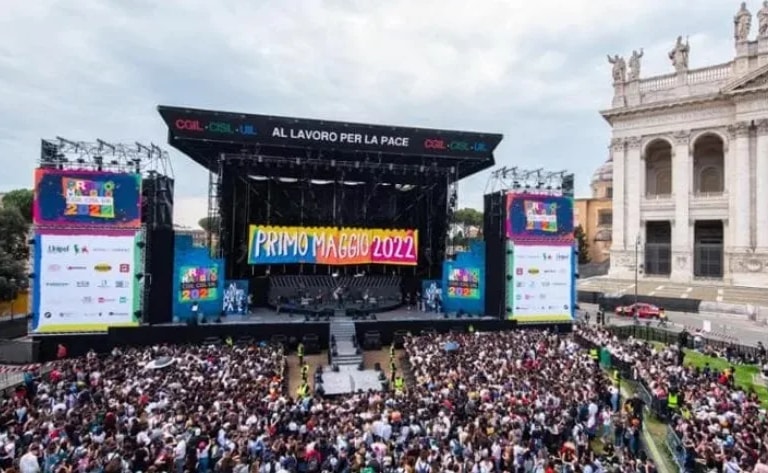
(14, 251)
(581, 237)
(20, 199)
(209, 224)
(468, 216)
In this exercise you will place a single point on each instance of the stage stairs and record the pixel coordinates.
(343, 333)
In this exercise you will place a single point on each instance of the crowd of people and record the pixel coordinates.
(722, 427)
(522, 401)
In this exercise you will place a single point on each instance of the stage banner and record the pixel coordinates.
(539, 217)
(331, 245)
(198, 283)
(87, 198)
(464, 283)
(85, 282)
(432, 295)
(541, 285)
(235, 299)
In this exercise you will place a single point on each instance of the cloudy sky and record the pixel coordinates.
(534, 71)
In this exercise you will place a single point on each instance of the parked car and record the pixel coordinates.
(643, 310)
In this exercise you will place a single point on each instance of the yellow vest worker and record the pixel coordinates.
(229, 342)
(594, 353)
(392, 350)
(305, 371)
(672, 401)
(300, 349)
(399, 383)
(616, 377)
(471, 328)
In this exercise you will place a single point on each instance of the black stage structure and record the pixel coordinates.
(283, 171)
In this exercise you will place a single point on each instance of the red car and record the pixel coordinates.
(643, 310)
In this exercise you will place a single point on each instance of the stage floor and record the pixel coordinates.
(349, 380)
(267, 316)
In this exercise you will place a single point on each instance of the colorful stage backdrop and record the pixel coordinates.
(326, 245)
(536, 217)
(197, 278)
(85, 282)
(541, 282)
(65, 198)
(235, 298)
(464, 281)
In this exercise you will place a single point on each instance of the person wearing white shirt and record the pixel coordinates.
(29, 462)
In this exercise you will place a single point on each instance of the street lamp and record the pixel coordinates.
(637, 265)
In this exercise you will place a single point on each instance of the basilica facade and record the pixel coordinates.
(690, 164)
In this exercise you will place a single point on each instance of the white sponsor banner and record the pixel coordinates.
(542, 283)
(86, 282)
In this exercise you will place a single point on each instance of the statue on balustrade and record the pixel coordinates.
(679, 55)
(762, 21)
(634, 64)
(742, 23)
(619, 68)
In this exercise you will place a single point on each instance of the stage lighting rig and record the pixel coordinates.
(65, 154)
(538, 181)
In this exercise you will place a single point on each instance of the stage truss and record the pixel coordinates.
(137, 158)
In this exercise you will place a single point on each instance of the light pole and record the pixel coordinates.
(637, 265)
(12, 282)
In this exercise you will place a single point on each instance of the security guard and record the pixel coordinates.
(673, 402)
(300, 352)
(471, 328)
(392, 351)
(594, 353)
(399, 384)
(303, 391)
(616, 377)
(305, 372)
(393, 370)
(229, 342)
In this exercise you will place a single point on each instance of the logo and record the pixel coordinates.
(519, 297)
(58, 249)
(102, 268)
(57, 284)
(87, 300)
(520, 284)
(103, 284)
(118, 314)
(104, 300)
(519, 271)
(80, 249)
(54, 268)
(83, 284)
(545, 284)
(549, 271)
(533, 271)
(563, 256)
(47, 315)
(125, 268)
(546, 256)
(122, 284)
(76, 268)
(123, 300)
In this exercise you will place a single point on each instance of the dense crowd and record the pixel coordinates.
(721, 426)
(525, 401)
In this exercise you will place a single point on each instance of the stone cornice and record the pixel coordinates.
(663, 105)
(739, 130)
(682, 137)
(762, 127)
(634, 142)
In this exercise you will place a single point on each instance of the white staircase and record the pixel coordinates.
(343, 333)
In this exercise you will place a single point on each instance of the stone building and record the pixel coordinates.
(595, 213)
(690, 164)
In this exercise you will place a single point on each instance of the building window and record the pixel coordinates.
(609, 192)
(605, 218)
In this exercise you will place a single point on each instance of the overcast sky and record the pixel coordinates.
(533, 71)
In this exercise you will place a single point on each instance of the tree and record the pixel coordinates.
(20, 199)
(14, 251)
(468, 216)
(209, 224)
(581, 237)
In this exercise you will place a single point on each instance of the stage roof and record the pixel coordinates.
(205, 135)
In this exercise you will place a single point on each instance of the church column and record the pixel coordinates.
(682, 164)
(634, 170)
(739, 191)
(761, 185)
(619, 191)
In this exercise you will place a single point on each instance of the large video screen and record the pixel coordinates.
(541, 286)
(87, 198)
(321, 245)
(464, 283)
(198, 283)
(537, 217)
(85, 282)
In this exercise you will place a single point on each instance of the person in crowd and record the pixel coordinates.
(510, 402)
